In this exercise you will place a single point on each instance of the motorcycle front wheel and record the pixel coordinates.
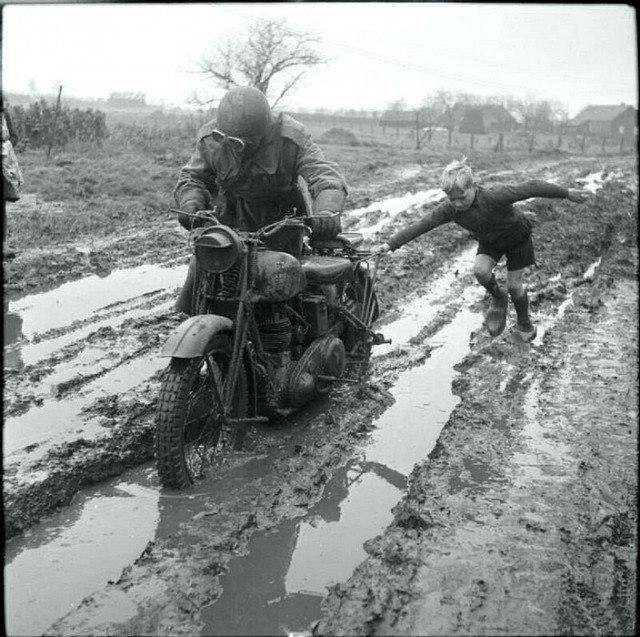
(189, 432)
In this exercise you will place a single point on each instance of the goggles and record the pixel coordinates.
(235, 142)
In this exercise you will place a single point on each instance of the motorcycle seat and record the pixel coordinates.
(319, 269)
(343, 240)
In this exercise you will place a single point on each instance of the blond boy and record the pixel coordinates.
(500, 230)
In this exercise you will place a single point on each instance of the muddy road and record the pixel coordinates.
(454, 455)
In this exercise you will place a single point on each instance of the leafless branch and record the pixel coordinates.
(271, 52)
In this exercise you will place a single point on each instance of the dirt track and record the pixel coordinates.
(79, 409)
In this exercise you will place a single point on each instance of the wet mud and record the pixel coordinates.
(341, 488)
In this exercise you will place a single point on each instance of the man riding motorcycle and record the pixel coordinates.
(246, 165)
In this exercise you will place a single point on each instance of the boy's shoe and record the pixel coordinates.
(527, 332)
(525, 328)
(497, 315)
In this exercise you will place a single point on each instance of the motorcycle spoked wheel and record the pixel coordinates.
(357, 344)
(189, 433)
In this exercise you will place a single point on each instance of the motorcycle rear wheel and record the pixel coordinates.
(189, 432)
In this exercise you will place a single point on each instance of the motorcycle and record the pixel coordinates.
(276, 321)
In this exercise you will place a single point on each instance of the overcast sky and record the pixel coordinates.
(379, 52)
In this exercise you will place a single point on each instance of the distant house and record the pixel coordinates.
(497, 119)
(617, 120)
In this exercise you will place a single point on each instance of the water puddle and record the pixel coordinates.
(278, 587)
(408, 430)
(389, 209)
(81, 299)
(58, 562)
(591, 270)
(61, 421)
(32, 353)
(591, 182)
(419, 311)
(544, 456)
(549, 321)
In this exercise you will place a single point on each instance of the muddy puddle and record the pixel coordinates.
(57, 421)
(543, 455)
(421, 309)
(388, 209)
(57, 563)
(38, 324)
(278, 587)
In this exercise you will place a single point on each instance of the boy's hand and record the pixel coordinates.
(382, 249)
(577, 196)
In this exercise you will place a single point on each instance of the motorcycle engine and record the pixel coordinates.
(274, 327)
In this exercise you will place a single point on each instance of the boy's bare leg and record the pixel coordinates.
(518, 294)
(497, 315)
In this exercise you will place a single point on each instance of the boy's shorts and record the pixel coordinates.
(518, 257)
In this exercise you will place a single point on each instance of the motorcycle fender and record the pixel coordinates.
(192, 336)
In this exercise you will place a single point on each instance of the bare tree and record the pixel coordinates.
(560, 118)
(273, 57)
(537, 116)
(442, 103)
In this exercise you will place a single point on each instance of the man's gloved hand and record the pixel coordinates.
(325, 225)
(190, 222)
(382, 249)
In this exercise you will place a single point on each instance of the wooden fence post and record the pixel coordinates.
(54, 126)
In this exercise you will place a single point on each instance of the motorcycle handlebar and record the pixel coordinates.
(269, 230)
(208, 214)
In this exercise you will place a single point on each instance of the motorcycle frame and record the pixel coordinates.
(243, 354)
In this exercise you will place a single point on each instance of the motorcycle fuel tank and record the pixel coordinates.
(278, 276)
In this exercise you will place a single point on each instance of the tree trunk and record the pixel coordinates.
(532, 141)
(621, 143)
(417, 131)
(449, 133)
(604, 141)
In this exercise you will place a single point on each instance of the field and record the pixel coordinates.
(464, 478)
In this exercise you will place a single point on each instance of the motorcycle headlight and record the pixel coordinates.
(217, 248)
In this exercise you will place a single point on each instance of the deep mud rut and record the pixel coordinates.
(456, 455)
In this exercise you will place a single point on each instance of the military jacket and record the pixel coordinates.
(265, 188)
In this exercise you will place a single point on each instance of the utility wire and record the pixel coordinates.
(484, 82)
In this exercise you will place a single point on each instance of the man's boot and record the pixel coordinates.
(526, 329)
(496, 318)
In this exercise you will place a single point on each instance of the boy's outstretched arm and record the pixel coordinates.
(442, 213)
(535, 188)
